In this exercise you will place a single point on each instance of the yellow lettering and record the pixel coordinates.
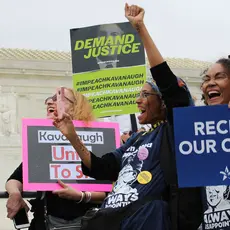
(129, 38)
(79, 45)
(126, 51)
(88, 43)
(135, 48)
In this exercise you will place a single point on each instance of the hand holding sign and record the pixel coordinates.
(134, 14)
(67, 192)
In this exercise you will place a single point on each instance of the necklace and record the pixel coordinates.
(157, 124)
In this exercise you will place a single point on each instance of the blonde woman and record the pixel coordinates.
(59, 205)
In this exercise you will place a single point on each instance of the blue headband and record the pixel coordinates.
(181, 84)
(154, 87)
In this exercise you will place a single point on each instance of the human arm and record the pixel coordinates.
(70, 193)
(106, 167)
(135, 15)
(174, 91)
(14, 188)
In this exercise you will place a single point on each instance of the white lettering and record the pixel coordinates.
(198, 147)
(219, 130)
(199, 126)
(224, 143)
(189, 147)
(196, 150)
(210, 128)
(210, 145)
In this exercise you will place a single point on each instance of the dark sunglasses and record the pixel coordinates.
(54, 99)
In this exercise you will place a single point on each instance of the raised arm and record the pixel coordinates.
(174, 90)
(104, 168)
(135, 15)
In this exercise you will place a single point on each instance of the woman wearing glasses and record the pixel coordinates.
(135, 166)
(71, 207)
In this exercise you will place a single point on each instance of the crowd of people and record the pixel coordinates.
(156, 203)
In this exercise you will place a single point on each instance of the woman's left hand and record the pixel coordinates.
(68, 192)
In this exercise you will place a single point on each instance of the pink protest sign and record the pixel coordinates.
(48, 155)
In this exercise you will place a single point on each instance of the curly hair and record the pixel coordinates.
(225, 62)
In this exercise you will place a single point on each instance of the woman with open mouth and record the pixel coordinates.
(216, 91)
(216, 83)
(60, 208)
(140, 196)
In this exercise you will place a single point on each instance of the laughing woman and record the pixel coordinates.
(136, 201)
(216, 91)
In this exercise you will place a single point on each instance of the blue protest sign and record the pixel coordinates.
(202, 142)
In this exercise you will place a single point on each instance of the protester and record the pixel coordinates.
(216, 91)
(137, 201)
(216, 83)
(70, 207)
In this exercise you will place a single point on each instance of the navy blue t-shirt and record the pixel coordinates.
(126, 163)
(140, 156)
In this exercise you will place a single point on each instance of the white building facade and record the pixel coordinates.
(28, 77)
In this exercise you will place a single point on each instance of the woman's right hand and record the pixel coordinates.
(66, 127)
(135, 15)
(14, 203)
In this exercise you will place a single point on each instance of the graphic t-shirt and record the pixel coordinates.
(140, 176)
(216, 208)
(133, 164)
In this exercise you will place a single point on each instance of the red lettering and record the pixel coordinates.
(55, 170)
(66, 173)
(79, 170)
(54, 151)
(69, 154)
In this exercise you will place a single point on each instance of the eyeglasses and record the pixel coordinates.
(145, 94)
(54, 98)
(217, 78)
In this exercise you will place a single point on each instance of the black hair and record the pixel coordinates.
(225, 62)
(203, 99)
(130, 133)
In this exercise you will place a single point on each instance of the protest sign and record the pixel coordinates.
(202, 143)
(48, 155)
(216, 208)
(108, 67)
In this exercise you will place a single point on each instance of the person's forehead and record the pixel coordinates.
(214, 69)
(147, 87)
(49, 100)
